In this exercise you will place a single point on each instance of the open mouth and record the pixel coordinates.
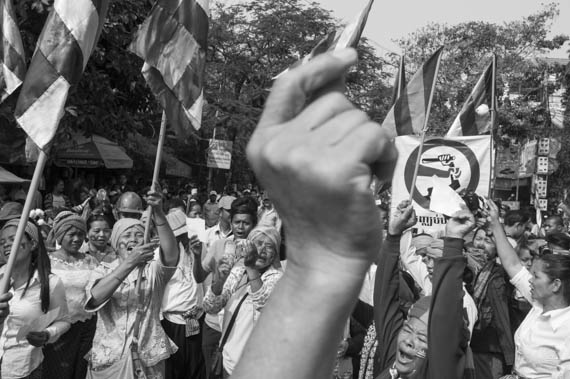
(405, 358)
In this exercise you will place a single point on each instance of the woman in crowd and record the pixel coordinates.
(113, 295)
(56, 201)
(492, 341)
(98, 235)
(36, 293)
(244, 289)
(241, 218)
(543, 339)
(65, 358)
(402, 350)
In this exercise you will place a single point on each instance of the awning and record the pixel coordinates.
(175, 167)
(91, 152)
(7, 177)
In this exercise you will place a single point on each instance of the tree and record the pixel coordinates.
(249, 43)
(469, 48)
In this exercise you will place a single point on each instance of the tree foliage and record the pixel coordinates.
(469, 48)
(249, 43)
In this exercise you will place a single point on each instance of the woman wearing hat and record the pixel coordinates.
(247, 286)
(65, 358)
(36, 292)
(112, 293)
(403, 344)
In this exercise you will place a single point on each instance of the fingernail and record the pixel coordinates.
(346, 54)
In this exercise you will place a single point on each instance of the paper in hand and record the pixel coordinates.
(39, 324)
(444, 199)
(196, 226)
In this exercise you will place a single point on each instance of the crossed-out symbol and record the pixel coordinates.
(428, 171)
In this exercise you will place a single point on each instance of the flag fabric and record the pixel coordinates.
(475, 117)
(172, 41)
(67, 40)
(12, 57)
(399, 81)
(409, 112)
(349, 36)
(459, 163)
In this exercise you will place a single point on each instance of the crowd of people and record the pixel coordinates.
(304, 279)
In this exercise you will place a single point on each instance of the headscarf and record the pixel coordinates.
(267, 231)
(435, 249)
(31, 230)
(120, 227)
(271, 233)
(420, 309)
(66, 220)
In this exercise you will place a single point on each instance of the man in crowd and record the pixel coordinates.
(553, 224)
(211, 210)
(267, 214)
(516, 223)
(129, 205)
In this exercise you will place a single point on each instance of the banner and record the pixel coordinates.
(219, 154)
(460, 163)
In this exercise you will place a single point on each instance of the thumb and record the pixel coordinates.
(290, 92)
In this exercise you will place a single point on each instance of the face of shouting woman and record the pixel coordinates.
(266, 251)
(129, 239)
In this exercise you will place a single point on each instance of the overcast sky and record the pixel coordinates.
(390, 20)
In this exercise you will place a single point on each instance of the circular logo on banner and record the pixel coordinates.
(450, 162)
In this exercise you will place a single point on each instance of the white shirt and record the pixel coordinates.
(542, 341)
(182, 292)
(367, 291)
(19, 358)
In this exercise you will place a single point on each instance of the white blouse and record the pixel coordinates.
(542, 341)
(75, 278)
(19, 358)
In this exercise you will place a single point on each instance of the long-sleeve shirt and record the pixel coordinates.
(232, 292)
(414, 265)
(19, 357)
(446, 329)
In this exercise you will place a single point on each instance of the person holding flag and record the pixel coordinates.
(112, 293)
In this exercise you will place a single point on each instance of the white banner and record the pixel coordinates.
(459, 163)
(219, 154)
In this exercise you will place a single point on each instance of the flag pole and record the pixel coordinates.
(400, 75)
(40, 164)
(155, 174)
(424, 131)
(492, 176)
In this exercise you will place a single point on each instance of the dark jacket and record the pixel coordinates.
(447, 332)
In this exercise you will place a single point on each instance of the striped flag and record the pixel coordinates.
(65, 44)
(12, 57)
(475, 117)
(409, 112)
(338, 39)
(173, 41)
(399, 81)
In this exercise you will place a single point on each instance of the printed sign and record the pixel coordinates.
(219, 154)
(460, 163)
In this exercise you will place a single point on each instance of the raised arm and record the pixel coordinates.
(169, 252)
(509, 258)
(330, 243)
(448, 334)
(387, 315)
(198, 250)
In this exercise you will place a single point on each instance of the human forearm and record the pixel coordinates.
(446, 326)
(509, 258)
(168, 245)
(292, 309)
(57, 329)
(105, 287)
